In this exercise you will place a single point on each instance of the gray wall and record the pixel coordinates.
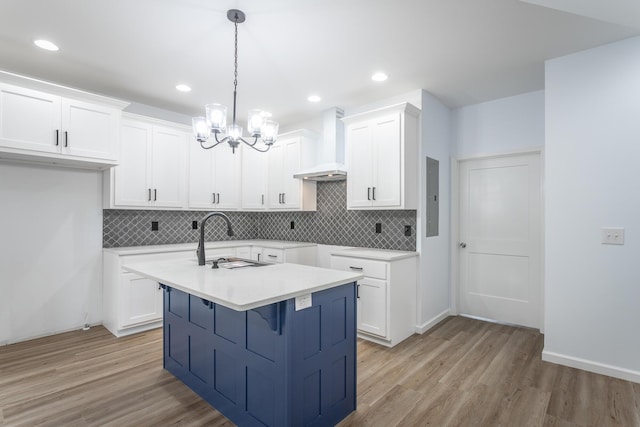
(331, 224)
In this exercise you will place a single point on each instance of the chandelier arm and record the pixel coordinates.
(218, 142)
(256, 148)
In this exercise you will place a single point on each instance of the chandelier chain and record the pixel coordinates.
(235, 73)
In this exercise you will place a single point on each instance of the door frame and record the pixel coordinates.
(454, 265)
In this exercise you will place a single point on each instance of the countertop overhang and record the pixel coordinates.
(242, 288)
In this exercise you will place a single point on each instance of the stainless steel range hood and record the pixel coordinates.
(330, 165)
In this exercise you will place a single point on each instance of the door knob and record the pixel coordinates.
(462, 245)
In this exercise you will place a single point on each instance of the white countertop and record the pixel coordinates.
(242, 288)
(377, 254)
(276, 244)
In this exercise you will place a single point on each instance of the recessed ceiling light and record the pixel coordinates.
(379, 77)
(183, 88)
(46, 44)
(314, 98)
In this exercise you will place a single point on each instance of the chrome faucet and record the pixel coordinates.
(200, 251)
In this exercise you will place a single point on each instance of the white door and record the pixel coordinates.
(169, 148)
(89, 130)
(274, 180)
(291, 186)
(201, 194)
(254, 179)
(359, 164)
(372, 306)
(29, 119)
(132, 175)
(385, 190)
(500, 239)
(142, 300)
(226, 177)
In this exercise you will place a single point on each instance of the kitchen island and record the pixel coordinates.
(272, 345)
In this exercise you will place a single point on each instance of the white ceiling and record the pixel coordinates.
(462, 51)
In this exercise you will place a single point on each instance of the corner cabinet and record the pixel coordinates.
(292, 152)
(386, 309)
(152, 170)
(382, 158)
(50, 128)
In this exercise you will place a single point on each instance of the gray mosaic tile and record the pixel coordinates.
(331, 224)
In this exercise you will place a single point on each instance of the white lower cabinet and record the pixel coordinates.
(386, 310)
(142, 300)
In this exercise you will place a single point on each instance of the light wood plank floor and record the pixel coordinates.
(462, 373)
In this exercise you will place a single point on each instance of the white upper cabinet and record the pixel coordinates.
(254, 179)
(291, 153)
(41, 126)
(152, 170)
(382, 158)
(214, 177)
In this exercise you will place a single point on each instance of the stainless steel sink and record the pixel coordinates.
(234, 262)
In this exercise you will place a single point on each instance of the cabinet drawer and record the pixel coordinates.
(272, 255)
(369, 268)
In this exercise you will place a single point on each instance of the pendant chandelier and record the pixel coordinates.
(215, 121)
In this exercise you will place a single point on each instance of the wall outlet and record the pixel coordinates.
(612, 236)
(407, 230)
(154, 225)
(378, 227)
(194, 225)
(293, 225)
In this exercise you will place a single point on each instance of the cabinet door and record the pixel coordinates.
(141, 300)
(385, 133)
(29, 119)
(276, 165)
(291, 165)
(359, 162)
(254, 179)
(226, 177)
(89, 130)
(132, 175)
(372, 306)
(201, 192)
(167, 162)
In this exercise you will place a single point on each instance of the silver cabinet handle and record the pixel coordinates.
(373, 192)
(57, 137)
(358, 291)
(368, 193)
(356, 268)
(262, 195)
(213, 198)
(272, 256)
(149, 197)
(66, 138)
(284, 200)
(218, 202)
(462, 245)
(155, 194)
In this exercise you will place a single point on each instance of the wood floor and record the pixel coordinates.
(462, 373)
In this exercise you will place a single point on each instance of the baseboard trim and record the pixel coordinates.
(421, 329)
(591, 366)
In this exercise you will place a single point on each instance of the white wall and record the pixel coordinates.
(504, 125)
(593, 180)
(433, 275)
(51, 250)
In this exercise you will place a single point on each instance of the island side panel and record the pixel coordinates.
(262, 366)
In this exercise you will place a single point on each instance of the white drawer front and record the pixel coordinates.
(272, 255)
(370, 268)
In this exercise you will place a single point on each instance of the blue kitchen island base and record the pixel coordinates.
(269, 366)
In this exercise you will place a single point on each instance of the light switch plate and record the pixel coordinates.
(303, 302)
(612, 236)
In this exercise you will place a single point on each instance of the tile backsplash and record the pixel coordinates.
(331, 224)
